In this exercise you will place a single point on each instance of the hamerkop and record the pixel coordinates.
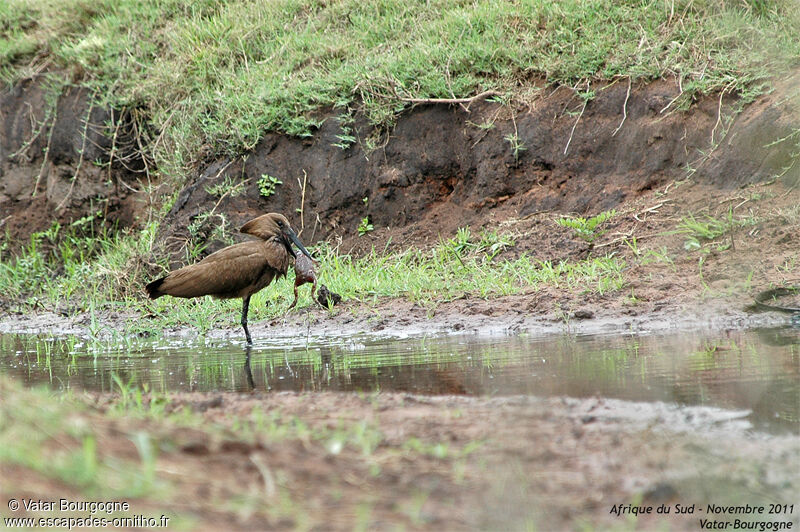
(240, 270)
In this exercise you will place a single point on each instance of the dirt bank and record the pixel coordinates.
(64, 157)
(707, 216)
(440, 168)
(444, 167)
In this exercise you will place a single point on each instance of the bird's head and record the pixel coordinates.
(274, 225)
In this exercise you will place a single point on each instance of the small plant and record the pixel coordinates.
(493, 243)
(345, 139)
(633, 245)
(227, 187)
(485, 125)
(517, 146)
(204, 228)
(371, 143)
(588, 229)
(267, 185)
(346, 121)
(710, 229)
(365, 226)
(502, 99)
(461, 242)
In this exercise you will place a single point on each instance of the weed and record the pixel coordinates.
(365, 226)
(267, 185)
(461, 242)
(587, 229)
(33, 421)
(125, 388)
(227, 187)
(486, 125)
(633, 246)
(657, 256)
(147, 453)
(491, 243)
(710, 228)
(346, 138)
(203, 229)
(517, 146)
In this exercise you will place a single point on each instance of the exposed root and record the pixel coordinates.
(302, 201)
(46, 154)
(80, 158)
(719, 113)
(569, 140)
(481, 96)
(624, 108)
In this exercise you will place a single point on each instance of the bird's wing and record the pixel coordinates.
(223, 274)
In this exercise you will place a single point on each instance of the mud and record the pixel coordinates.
(502, 464)
(403, 319)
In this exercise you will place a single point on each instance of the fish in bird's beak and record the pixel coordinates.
(290, 234)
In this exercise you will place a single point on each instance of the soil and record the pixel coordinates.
(63, 159)
(491, 464)
(554, 464)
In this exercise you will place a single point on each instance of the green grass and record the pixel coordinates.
(52, 272)
(87, 452)
(82, 265)
(221, 74)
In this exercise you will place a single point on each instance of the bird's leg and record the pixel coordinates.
(245, 308)
(295, 298)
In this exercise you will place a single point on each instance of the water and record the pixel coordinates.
(757, 370)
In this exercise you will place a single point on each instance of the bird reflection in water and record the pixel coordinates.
(247, 372)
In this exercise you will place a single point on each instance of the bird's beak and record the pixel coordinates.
(293, 237)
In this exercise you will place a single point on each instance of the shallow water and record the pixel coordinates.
(757, 370)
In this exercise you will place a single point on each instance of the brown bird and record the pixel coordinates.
(240, 270)
(303, 273)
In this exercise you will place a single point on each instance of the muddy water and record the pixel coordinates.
(756, 370)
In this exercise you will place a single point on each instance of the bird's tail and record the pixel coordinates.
(153, 288)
